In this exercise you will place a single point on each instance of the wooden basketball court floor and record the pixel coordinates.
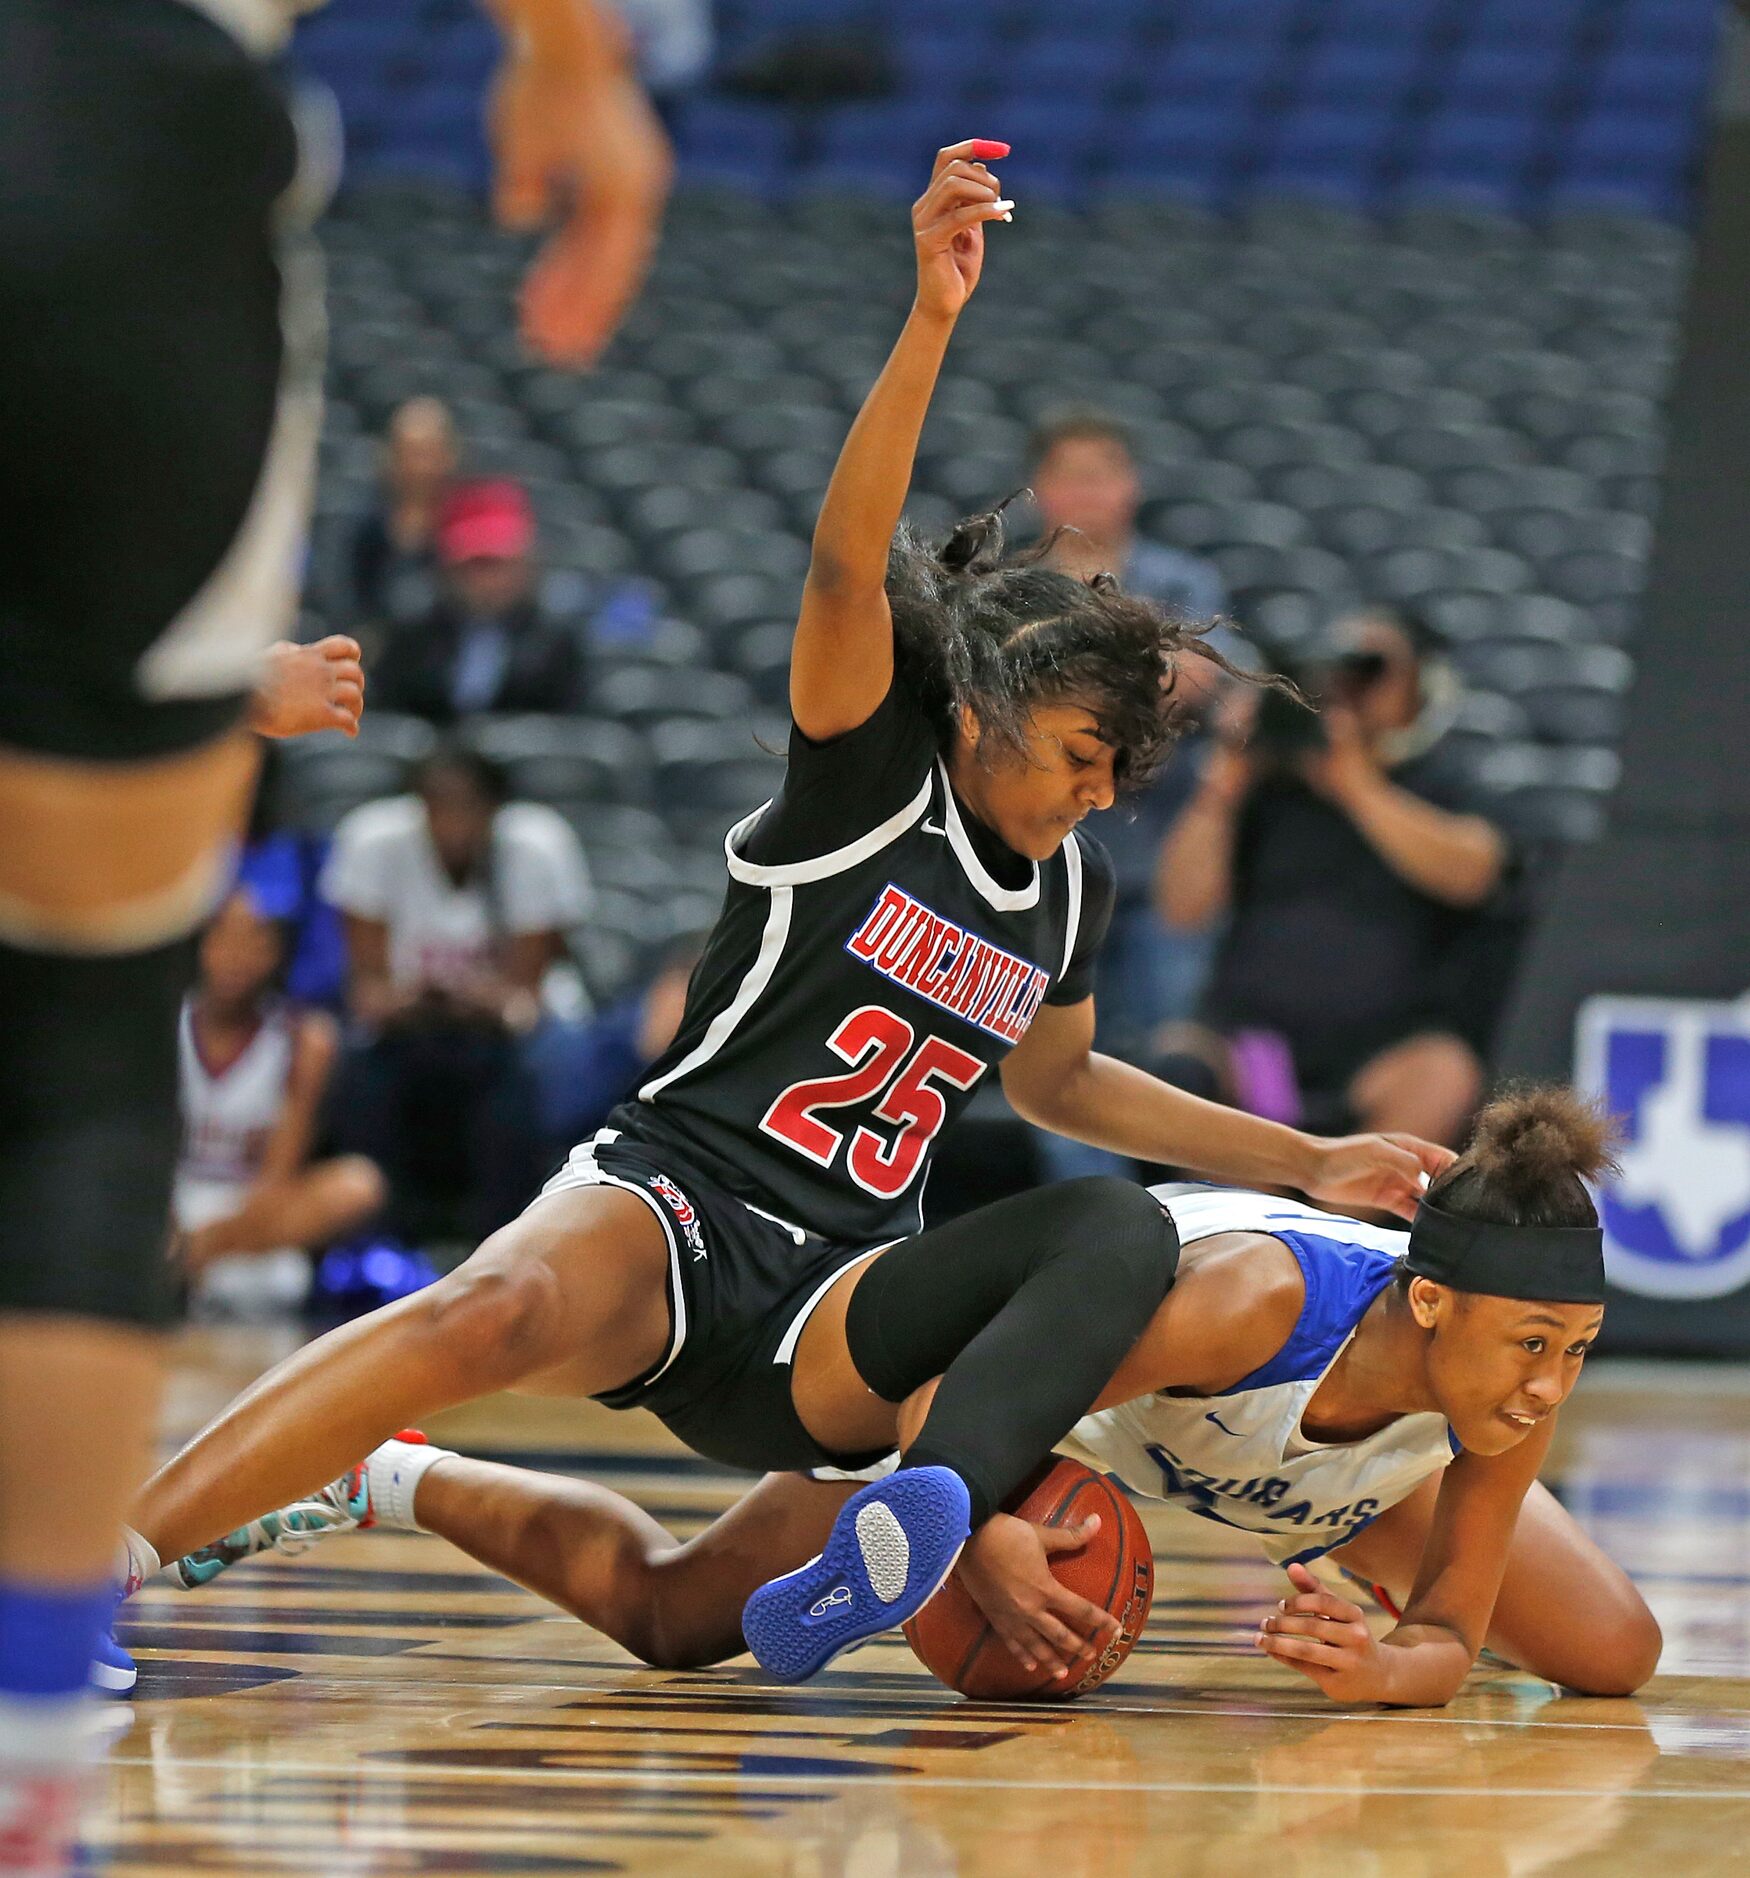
(382, 1705)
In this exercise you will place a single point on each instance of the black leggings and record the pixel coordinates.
(1025, 1309)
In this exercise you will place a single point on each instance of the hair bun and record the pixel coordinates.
(1530, 1139)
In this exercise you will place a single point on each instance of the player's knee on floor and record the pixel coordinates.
(657, 1614)
(673, 1637)
(1623, 1652)
(88, 1132)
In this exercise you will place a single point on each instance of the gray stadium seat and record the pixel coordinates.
(643, 695)
(712, 767)
(1271, 361)
(323, 777)
(564, 760)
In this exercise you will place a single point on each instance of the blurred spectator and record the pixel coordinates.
(456, 904)
(392, 560)
(1085, 479)
(584, 1069)
(1085, 482)
(249, 1203)
(280, 867)
(484, 646)
(1369, 927)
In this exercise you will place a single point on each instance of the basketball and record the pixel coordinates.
(1115, 1569)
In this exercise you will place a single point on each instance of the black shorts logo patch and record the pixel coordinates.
(684, 1211)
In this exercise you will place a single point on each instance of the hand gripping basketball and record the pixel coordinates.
(1109, 1573)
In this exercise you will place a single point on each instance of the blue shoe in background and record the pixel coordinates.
(352, 1279)
(113, 1671)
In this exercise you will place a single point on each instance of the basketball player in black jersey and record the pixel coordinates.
(739, 1250)
(160, 374)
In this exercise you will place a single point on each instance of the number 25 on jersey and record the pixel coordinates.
(877, 1044)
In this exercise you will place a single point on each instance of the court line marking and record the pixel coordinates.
(592, 1776)
(635, 1705)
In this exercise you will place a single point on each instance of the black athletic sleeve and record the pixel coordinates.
(1099, 891)
(838, 790)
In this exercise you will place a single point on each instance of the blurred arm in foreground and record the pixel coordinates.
(574, 133)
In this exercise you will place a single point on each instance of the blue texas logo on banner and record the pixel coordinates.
(1677, 1073)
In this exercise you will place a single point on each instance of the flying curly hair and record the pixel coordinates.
(1005, 634)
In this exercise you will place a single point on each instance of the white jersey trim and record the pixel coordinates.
(759, 976)
(787, 1348)
(1004, 899)
(1072, 861)
(263, 26)
(824, 866)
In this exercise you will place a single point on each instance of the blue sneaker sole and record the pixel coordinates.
(889, 1551)
(114, 1674)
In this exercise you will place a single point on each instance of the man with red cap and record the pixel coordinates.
(485, 645)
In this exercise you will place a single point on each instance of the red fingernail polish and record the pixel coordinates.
(983, 147)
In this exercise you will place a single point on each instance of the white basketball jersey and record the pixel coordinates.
(1240, 1457)
(227, 1115)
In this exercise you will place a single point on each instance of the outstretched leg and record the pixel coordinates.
(585, 1548)
(580, 1280)
(595, 1554)
(1567, 1611)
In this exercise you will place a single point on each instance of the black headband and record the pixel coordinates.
(1544, 1264)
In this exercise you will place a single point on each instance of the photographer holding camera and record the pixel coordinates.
(1364, 889)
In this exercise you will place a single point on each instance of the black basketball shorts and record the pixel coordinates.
(160, 374)
(742, 1285)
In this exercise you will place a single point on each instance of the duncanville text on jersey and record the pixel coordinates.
(952, 967)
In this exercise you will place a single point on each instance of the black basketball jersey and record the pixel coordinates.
(869, 970)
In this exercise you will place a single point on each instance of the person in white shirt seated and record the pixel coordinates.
(456, 904)
(249, 1202)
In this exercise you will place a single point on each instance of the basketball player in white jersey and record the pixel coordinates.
(160, 372)
(253, 1070)
(1338, 1390)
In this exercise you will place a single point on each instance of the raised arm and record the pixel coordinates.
(1194, 869)
(573, 131)
(842, 662)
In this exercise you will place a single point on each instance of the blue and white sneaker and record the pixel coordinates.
(113, 1671)
(889, 1551)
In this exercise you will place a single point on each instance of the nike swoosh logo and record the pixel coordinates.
(1235, 1432)
(930, 828)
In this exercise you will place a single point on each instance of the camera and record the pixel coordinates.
(1285, 730)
